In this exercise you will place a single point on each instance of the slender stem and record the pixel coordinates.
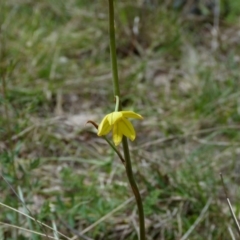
(125, 142)
(134, 188)
(109, 142)
(115, 150)
(117, 104)
(113, 50)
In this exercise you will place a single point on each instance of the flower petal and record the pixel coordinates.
(131, 114)
(104, 127)
(117, 134)
(127, 129)
(114, 117)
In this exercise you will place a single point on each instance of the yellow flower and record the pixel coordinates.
(118, 122)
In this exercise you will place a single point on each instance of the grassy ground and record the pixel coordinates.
(175, 70)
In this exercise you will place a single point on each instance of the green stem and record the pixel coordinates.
(117, 104)
(115, 150)
(127, 157)
(134, 188)
(113, 50)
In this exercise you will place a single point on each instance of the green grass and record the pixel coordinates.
(55, 75)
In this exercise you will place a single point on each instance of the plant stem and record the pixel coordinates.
(134, 188)
(109, 142)
(125, 141)
(113, 50)
(115, 150)
(117, 104)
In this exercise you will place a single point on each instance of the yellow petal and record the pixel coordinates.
(104, 127)
(131, 114)
(117, 134)
(127, 128)
(114, 117)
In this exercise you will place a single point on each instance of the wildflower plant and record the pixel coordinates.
(121, 127)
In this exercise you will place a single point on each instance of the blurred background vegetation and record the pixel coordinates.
(179, 67)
